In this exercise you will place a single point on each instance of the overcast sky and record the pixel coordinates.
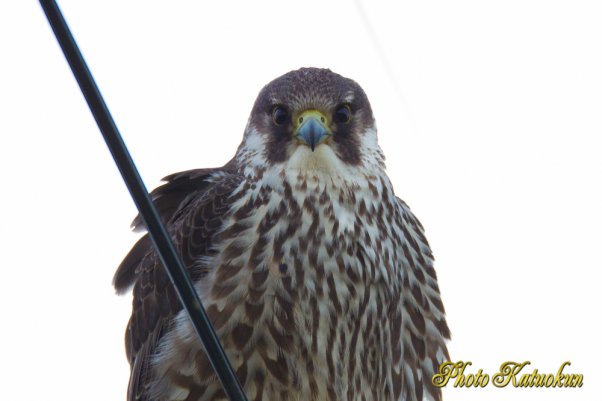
(489, 114)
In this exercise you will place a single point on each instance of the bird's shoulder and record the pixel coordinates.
(193, 205)
(198, 193)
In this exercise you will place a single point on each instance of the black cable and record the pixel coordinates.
(165, 248)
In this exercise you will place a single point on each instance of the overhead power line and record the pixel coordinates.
(382, 55)
(175, 270)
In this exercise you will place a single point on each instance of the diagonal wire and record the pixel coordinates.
(382, 55)
(177, 273)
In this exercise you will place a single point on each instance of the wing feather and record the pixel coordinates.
(426, 330)
(193, 205)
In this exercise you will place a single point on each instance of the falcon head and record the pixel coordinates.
(314, 120)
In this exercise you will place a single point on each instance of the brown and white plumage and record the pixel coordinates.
(318, 279)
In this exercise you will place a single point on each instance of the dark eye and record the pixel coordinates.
(279, 115)
(342, 114)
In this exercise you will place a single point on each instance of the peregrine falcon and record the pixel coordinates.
(319, 281)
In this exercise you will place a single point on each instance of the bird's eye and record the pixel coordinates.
(279, 115)
(342, 114)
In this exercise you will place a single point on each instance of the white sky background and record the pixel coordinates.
(493, 137)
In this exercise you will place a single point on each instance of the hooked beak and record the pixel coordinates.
(312, 129)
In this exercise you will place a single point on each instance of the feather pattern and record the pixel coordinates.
(319, 280)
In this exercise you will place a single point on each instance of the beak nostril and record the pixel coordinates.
(300, 120)
(322, 119)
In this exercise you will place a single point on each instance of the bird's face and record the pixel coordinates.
(311, 119)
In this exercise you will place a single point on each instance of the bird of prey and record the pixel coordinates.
(319, 281)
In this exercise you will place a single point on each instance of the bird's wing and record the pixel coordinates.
(421, 329)
(193, 205)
